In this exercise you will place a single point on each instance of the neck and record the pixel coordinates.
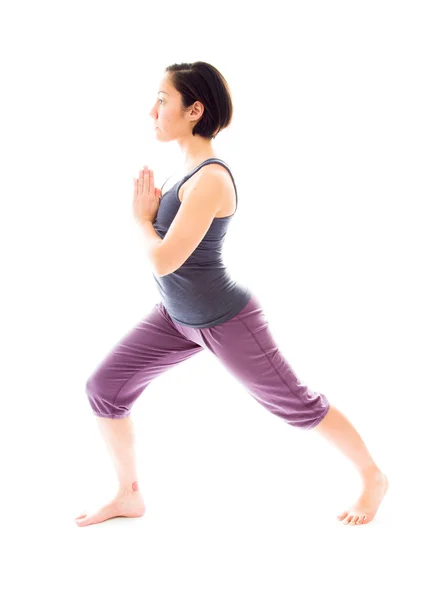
(196, 150)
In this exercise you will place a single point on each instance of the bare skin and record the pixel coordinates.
(364, 509)
(119, 437)
(175, 123)
(127, 503)
(338, 430)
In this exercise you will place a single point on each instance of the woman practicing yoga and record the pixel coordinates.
(201, 307)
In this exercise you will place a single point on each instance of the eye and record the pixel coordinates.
(160, 100)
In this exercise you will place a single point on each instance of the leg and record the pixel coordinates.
(337, 429)
(245, 345)
(152, 347)
(247, 348)
(118, 435)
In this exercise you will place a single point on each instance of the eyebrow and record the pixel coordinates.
(162, 92)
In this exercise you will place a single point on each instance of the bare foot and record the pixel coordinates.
(364, 510)
(123, 505)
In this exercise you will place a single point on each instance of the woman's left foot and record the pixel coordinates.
(364, 510)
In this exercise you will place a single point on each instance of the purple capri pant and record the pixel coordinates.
(244, 345)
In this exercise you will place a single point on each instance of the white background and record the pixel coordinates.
(335, 147)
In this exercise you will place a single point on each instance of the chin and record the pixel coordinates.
(158, 132)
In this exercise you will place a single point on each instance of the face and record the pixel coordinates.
(170, 120)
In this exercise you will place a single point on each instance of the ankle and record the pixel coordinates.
(369, 472)
(127, 489)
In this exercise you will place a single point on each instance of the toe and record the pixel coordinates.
(347, 520)
(354, 520)
(342, 515)
(81, 516)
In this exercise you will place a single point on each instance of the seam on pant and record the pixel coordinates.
(270, 361)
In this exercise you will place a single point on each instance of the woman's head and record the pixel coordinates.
(193, 98)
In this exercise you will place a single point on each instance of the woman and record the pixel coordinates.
(201, 307)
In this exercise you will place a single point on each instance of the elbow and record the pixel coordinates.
(162, 270)
(163, 265)
(159, 260)
(159, 272)
(156, 264)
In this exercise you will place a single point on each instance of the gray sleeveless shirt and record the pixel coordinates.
(201, 292)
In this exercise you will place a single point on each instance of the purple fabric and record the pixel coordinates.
(244, 344)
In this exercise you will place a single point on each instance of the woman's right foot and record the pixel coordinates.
(130, 504)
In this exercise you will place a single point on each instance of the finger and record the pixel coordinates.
(148, 179)
(151, 181)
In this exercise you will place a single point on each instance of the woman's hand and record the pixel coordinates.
(146, 198)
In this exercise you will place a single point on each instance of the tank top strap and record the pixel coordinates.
(207, 161)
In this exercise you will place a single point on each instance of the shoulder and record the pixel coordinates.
(210, 179)
(213, 172)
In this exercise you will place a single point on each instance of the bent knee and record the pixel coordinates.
(102, 394)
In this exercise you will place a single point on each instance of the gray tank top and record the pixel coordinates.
(201, 292)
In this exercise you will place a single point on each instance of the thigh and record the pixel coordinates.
(246, 347)
(153, 346)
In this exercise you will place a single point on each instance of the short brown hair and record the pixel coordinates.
(200, 81)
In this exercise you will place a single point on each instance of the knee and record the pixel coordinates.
(103, 390)
(97, 396)
(92, 389)
(93, 385)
